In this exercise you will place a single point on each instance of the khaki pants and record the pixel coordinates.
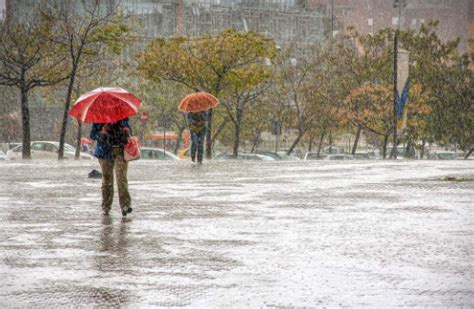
(121, 168)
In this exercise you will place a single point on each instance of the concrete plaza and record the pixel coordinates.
(239, 235)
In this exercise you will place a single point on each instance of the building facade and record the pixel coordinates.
(456, 17)
(287, 21)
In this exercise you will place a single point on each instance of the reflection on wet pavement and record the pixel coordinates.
(284, 234)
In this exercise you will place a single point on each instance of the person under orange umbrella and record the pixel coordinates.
(197, 102)
(198, 129)
(196, 106)
(85, 142)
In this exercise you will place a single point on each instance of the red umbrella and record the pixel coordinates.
(105, 105)
(197, 102)
(85, 141)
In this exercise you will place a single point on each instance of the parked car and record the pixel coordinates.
(148, 153)
(443, 155)
(314, 156)
(333, 150)
(244, 156)
(339, 157)
(361, 156)
(403, 152)
(44, 150)
(285, 156)
(279, 155)
(13, 145)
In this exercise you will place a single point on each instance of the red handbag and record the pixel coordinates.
(131, 150)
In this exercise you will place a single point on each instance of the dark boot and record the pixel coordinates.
(129, 210)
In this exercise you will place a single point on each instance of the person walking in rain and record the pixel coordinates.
(111, 139)
(198, 128)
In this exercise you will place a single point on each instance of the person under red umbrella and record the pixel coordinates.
(108, 109)
(111, 139)
(196, 105)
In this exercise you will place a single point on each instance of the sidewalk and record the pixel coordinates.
(239, 235)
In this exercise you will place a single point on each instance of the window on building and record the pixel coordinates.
(395, 21)
(370, 23)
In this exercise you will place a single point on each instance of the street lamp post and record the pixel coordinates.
(332, 20)
(396, 4)
(165, 122)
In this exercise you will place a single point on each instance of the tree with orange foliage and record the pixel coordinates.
(370, 107)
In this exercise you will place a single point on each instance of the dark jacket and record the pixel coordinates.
(197, 121)
(105, 142)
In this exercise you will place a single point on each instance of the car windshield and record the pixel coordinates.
(448, 156)
(272, 154)
(361, 156)
(69, 148)
(283, 155)
(340, 157)
(310, 156)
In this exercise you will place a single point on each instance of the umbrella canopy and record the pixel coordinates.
(170, 136)
(105, 105)
(85, 141)
(198, 102)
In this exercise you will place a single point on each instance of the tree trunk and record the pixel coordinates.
(141, 135)
(218, 132)
(255, 140)
(179, 139)
(408, 149)
(323, 135)
(384, 149)
(394, 152)
(468, 153)
(67, 104)
(296, 141)
(356, 142)
(310, 144)
(78, 141)
(330, 142)
(209, 136)
(25, 123)
(237, 124)
(423, 144)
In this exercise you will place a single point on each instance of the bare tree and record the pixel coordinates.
(294, 92)
(237, 104)
(28, 60)
(83, 30)
(10, 126)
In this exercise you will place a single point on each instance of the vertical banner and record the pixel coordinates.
(402, 89)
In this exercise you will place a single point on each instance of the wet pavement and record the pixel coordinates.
(235, 235)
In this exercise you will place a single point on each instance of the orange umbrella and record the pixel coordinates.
(198, 102)
(85, 141)
(161, 136)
